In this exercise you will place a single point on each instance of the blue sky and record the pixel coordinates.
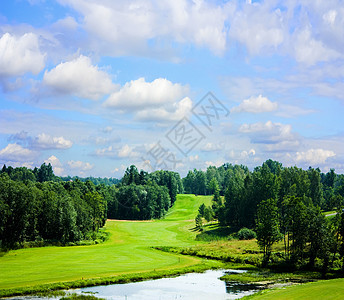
(94, 86)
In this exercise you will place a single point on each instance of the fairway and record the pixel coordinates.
(326, 289)
(127, 251)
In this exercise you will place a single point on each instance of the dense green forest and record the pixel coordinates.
(280, 204)
(37, 206)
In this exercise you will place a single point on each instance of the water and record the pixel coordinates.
(198, 286)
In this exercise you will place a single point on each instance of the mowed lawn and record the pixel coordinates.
(325, 289)
(127, 251)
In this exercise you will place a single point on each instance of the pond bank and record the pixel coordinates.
(119, 279)
(206, 285)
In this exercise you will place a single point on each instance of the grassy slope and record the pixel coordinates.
(127, 251)
(326, 289)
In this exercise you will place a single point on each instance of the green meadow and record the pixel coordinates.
(128, 250)
(324, 289)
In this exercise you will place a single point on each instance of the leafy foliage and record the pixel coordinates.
(267, 227)
(246, 234)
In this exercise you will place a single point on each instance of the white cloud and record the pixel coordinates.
(159, 100)
(45, 141)
(174, 112)
(268, 133)
(80, 165)
(19, 55)
(314, 156)
(138, 94)
(108, 151)
(98, 140)
(258, 27)
(330, 17)
(122, 27)
(80, 78)
(310, 51)
(217, 163)
(127, 151)
(258, 104)
(246, 154)
(16, 153)
(116, 152)
(193, 158)
(56, 164)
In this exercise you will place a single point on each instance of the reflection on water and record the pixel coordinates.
(238, 288)
(198, 286)
(190, 286)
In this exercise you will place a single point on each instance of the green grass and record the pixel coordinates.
(265, 276)
(127, 251)
(326, 289)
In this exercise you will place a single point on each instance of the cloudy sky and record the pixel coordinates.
(93, 86)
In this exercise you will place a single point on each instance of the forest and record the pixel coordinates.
(37, 207)
(276, 202)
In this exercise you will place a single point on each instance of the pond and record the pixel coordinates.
(205, 285)
(198, 286)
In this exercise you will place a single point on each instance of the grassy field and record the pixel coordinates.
(326, 289)
(128, 250)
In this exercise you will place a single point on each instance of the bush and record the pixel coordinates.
(246, 234)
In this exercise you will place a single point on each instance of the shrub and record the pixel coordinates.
(246, 234)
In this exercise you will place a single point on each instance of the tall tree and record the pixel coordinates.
(267, 227)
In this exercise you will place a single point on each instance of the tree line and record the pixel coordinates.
(37, 206)
(280, 203)
(48, 211)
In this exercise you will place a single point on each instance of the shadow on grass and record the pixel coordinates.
(213, 231)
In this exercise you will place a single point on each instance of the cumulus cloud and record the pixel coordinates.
(80, 165)
(116, 152)
(45, 141)
(160, 99)
(19, 55)
(80, 78)
(123, 27)
(41, 141)
(138, 94)
(16, 153)
(269, 132)
(314, 156)
(127, 151)
(258, 27)
(174, 112)
(150, 27)
(56, 164)
(258, 104)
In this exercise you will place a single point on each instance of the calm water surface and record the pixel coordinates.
(189, 286)
(196, 286)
